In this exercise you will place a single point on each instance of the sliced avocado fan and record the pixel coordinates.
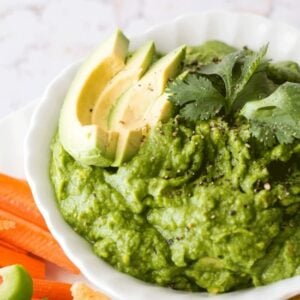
(100, 81)
(131, 73)
(113, 101)
(143, 105)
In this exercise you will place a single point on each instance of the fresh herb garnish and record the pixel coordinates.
(283, 71)
(273, 112)
(236, 69)
(277, 116)
(195, 97)
(258, 87)
(224, 69)
(251, 63)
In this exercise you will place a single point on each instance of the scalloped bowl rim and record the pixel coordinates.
(44, 123)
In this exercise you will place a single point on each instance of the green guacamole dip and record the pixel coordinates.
(202, 206)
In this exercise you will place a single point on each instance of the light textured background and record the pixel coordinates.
(40, 37)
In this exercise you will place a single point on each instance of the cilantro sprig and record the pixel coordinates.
(239, 83)
(191, 96)
(277, 116)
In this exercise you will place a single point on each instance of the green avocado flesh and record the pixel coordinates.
(202, 206)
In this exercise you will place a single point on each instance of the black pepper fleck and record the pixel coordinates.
(232, 212)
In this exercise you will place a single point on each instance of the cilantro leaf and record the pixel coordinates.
(196, 97)
(258, 87)
(250, 65)
(199, 98)
(247, 62)
(283, 71)
(238, 81)
(223, 69)
(277, 116)
(263, 132)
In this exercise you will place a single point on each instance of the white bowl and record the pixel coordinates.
(235, 29)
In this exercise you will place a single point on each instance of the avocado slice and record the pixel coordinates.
(128, 145)
(142, 106)
(136, 66)
(79, 137)
(15, 284)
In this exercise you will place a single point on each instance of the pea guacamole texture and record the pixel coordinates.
(202, 206)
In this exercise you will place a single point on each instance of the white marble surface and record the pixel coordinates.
(40, 37)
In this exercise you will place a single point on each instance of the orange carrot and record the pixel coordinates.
(16, 198)
(7, 224)
(35, 267)
(11, 247)
(52, 290)
(36, 241)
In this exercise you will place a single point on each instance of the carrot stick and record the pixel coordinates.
(6, 224)
(12, 247)
(52, 290)
(36, 241)
(16, 198)
(35, 267)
